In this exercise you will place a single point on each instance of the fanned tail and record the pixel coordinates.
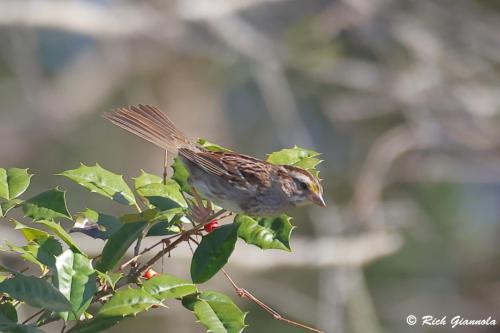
(151, 124)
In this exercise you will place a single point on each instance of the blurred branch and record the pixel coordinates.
(269, 74)
(116, 19)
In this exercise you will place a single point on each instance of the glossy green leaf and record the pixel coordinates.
(36, 292)
(95, 325)
(110, 278)
(266, 233)
(296, 156)
(8, 313)
(216, 312)
(165, 228)
(212, 146)
(76, 280)
(18, 328)
(42, 252)
(127, 302)
(95, 224)
(30, 234)
(146, 179)
(117, 245)
(57, 229)
(181, 175)
(13, 182)
(145, 216)
(49, 205)
(166, 286)
(213, 252)
(163, 196)
(103, 182)
(6, 206)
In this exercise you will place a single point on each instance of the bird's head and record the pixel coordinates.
(304, 187)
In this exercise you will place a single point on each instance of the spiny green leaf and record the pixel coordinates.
(35, 292)
(13, 182)
(216, 312)
(49, 205)
(163, 196)
(103, 182)
(181, 175)
(41, 253)
(8, 313)
(61, 233)
(111, 278)
(18, 328)
(127, 302)
(95, 224)
(296, 156)
(166, 286)
(95, 325)
(146, 179)
(8, 205)
(117, 245)
(213, 252)
(30, 234)
(145, 216)
(212, 146)
(76, 280)
(266, 233)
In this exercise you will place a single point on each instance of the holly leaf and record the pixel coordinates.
(212, 146)
(296, 156)
(103, 182)
(213, 252)
(30, 234)
(8, 313)
(181, 175)
(166, 286)
(95, 224)
(95, 325)
(18, 328)
(266, 233)
(216, 312)
(8, 205)
(36, 292)
(163, 196)
(127, 302)
(111, 278)
(76, 280)
(146, 179)
(41, 253)
(13, 182)
(61, 233)
(118, 244)
(49, 205)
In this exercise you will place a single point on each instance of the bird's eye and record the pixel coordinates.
(303, 186)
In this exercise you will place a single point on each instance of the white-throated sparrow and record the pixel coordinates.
(236, 182)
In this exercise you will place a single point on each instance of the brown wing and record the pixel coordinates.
(239, 169)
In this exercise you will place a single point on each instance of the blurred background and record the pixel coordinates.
(401, 97)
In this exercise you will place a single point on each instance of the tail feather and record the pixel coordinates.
(151, 124)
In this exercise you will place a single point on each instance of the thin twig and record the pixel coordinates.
(63, 328)
(32, 316)
(246, 294)
(165, 167)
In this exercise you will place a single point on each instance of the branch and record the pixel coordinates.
(246, 294)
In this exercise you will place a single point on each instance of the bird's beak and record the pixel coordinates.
(318, 200)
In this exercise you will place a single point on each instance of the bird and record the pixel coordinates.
(236, 182)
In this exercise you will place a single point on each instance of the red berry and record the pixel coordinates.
(211, 226)
(150, 273)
